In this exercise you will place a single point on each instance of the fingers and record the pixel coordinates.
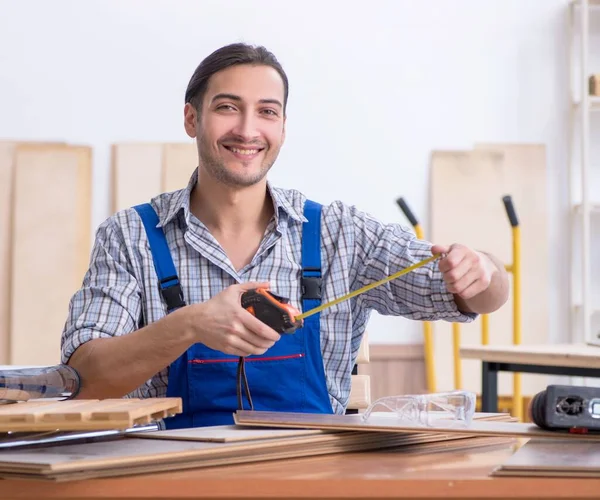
(464, 271)
(459, 276)
(240, 347)
(257, 327)
(453, 256)
(440, 249)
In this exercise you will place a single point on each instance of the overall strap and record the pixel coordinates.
(311, 258)
(170, 288)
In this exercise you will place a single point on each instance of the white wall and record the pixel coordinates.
(374, 88)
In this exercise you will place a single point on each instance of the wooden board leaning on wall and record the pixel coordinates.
(466, 206)
(45, 236)
(141, 171)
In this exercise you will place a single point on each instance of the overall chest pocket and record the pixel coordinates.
(276, 378)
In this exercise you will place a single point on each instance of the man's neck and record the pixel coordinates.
(225, 210)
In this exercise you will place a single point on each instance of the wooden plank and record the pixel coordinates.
(479, 179)
(51, 239)
(227, 434)
(360, 392)
(391, 423)
(7, 150)
(136, 174)
(179, 162)
(6, 183)
(552, 458)
(573, 355)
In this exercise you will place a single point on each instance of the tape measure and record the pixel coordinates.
(279, 314)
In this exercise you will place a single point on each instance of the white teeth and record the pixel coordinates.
(244, 151)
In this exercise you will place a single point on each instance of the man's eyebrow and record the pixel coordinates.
(271, 101)
(234, 97)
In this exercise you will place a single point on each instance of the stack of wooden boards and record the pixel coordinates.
(46, 230)
(161, 451)
(466, 191)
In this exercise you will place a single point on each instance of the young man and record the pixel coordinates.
(231, 231)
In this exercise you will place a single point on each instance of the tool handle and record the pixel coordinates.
(510, 211)
(271, 309)
(407, 211)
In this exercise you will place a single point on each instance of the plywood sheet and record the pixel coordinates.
(228, 434)
(179, 162)
(136, 174)
(51, 238)
(466, 207)
(392, 423)
(7, 150)
(553, 459)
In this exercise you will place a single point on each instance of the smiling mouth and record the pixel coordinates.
(243, 151)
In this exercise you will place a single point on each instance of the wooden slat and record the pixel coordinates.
(35, 416)
(51, 239)
(136, 174)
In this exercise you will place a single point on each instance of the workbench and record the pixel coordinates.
(577, 360)
(365, 475)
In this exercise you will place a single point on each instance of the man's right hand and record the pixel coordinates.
(221, 323)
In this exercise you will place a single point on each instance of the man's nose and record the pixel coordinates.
(247, 126)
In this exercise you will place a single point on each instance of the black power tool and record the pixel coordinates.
(567, 408)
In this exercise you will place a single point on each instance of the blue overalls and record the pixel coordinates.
(287, 377)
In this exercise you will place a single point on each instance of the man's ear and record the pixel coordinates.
(190, 119)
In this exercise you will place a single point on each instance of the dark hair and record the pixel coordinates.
(230, 55)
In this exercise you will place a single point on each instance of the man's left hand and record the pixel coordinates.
(466, 272)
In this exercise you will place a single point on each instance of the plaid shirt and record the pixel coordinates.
(120, 293)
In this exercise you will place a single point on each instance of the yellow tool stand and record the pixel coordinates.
(516, 404)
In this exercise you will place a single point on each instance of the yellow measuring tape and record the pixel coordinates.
(367, 287)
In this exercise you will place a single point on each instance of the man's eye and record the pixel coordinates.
(226, 107)
(271, 112)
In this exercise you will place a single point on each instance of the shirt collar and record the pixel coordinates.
(285, 203)
(176, 201)
(180, 200)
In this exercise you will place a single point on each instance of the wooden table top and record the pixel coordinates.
(372, 475)
(576, 355)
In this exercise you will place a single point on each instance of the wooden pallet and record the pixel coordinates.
(33, 416)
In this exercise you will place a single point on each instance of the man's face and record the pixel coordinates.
(241, 127)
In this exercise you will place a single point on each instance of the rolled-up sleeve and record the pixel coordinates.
(384, 249)
(108, 303)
